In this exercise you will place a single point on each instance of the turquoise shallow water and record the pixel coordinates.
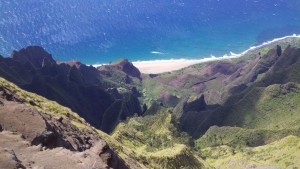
(102, 31)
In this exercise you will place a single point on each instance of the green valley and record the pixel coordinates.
(233, 113)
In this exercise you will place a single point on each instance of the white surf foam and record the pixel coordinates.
(139, 64)
(158, 53)
(97, 65)
(233, 55)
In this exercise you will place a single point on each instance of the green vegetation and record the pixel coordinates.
(260, 125)
(156, 141)
(284, 153)
(240, 137)
(293, 42)
(272, 107)
(40, 103)
(265, 119)
(52, 108)
(153, 90)
(167, 155)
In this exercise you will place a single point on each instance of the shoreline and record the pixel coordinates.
(163, 66)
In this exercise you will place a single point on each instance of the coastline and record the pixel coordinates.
(162, 66)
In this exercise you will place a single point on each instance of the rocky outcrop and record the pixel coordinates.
(118, 111)
(48, 134)
(125, 66)
(34, 55)
(89, 73)
(193, 114)
(278, 50)
(195, 105)
(19, 154)
(285, 69)
(190, 104)
(135, 92)
(264, 64)
(167, 99)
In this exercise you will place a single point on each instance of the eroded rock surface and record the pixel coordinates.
(32, 138)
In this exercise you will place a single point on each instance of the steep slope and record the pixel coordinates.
(263, 119)
(271, 102)
(157, 142)
(222, 83)
(254, 100)
(122, 65)
(283, 153)
(216, 80)
(272, 107)
(82, 88)
(119, 111)
(285, 70)
(237, 137)
(36, 132)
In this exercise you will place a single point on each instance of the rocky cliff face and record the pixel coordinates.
(77, 86)
(36, 132)
(34, 55)
(119, 111)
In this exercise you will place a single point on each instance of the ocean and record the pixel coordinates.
(96, 32)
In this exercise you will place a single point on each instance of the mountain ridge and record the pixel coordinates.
(73, 85)
(211, 115)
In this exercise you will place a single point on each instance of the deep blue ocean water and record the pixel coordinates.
(99, 31)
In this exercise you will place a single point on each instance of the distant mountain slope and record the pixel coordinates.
(222, 83)
(82, 88)
(283, 153)
(253, 99)
(215, 79)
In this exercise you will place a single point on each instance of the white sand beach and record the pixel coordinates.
(161, 66)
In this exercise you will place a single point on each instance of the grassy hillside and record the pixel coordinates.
(157, 142)
(284, 153)
(40, 103)
(259, 106)
(240, 137)
(272, 107)
(180, 83)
